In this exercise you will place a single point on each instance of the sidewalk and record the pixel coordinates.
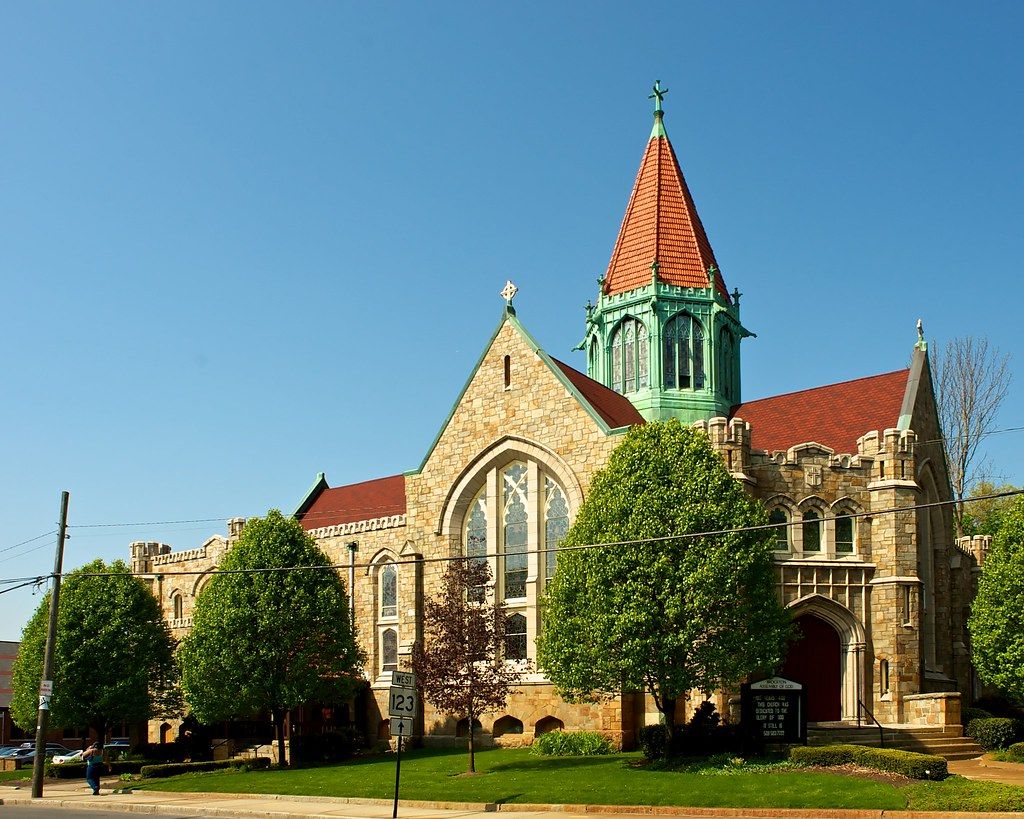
(76, 795)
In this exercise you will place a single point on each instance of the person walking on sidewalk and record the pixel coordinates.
(93, 765)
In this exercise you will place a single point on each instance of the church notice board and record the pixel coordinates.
(774, 710)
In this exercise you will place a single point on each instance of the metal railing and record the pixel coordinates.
(881, 733)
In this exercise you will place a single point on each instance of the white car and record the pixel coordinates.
(60, 759)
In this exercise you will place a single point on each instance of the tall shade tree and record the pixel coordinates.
(270, 631)
(973, 379)
(664, 608)
(113, 655)
(985, 516)
(460, 663)
(996, 623)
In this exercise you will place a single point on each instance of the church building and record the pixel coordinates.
(854, 474)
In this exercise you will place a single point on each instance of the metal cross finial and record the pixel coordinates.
(658, 96)
(508, 292)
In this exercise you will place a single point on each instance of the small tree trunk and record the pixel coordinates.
(668, 711)
(278, 715)
(100, 727)
(472, 754)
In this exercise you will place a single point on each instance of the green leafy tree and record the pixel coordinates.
(113, 655)
(269, 640)
(664, 615)
(984, 517)
(997, 616)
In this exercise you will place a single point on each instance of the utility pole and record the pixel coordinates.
(46, 684)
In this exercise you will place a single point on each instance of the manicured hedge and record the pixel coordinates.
(969, 714)
(175, 768)
(76, 770)
(995, 733)
(907, 763)
(572, 743)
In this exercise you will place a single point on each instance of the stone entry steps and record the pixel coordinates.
(922, 739)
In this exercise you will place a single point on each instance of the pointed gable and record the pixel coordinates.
(835, 415)
(661, 223)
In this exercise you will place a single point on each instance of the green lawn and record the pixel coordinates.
(518, 776)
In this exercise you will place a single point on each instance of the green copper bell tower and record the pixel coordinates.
(665, 331)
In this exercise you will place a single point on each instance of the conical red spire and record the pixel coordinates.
(661, 224)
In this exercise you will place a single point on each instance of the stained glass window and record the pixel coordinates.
(515, 637)
(556, 524)
(389, 650)
(389, 591)
(812, 531)
(515, 535)
(779, 518)
(476, 540)
(844, 533)
(683, 353)
(630, 370)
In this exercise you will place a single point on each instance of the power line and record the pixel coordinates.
(638, 541)
(30, 540)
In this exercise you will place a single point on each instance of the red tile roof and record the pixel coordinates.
(615, 409)
(661, 222)
(379, 498)
(835, 415)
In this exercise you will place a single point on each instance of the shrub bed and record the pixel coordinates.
(175, 768)
(906, 763)
(76, 770)
(995, 733)
(332, 747)
(655, 741)
(572, 743)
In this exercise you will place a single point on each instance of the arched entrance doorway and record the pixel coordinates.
(814, 660)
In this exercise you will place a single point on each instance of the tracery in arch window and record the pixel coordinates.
(629, 357)
(683, 353)
(389, 650)
(389, 590)
(556, 524)
(515, 534)
(476, 540)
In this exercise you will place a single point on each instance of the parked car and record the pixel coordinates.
(7, 750)
(60, 759)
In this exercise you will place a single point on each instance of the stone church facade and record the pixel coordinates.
(852, 473)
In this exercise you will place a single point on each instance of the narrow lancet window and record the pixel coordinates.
(556, 524)
(515, 531)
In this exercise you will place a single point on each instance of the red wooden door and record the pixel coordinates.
(813, 660)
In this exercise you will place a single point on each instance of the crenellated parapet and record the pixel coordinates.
(975, 546)
(145, 552)
(731, 438)
(893, 453)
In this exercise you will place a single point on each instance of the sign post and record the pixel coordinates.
(774, 710)
(403, 706)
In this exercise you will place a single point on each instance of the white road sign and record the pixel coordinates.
(401, 726)
(45, 688)
(403, 700)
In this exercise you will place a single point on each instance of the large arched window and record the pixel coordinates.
(520, 509)
(629, 357)
(556, 524)
(683, 353)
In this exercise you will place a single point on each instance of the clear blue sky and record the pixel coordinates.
(241, 243)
